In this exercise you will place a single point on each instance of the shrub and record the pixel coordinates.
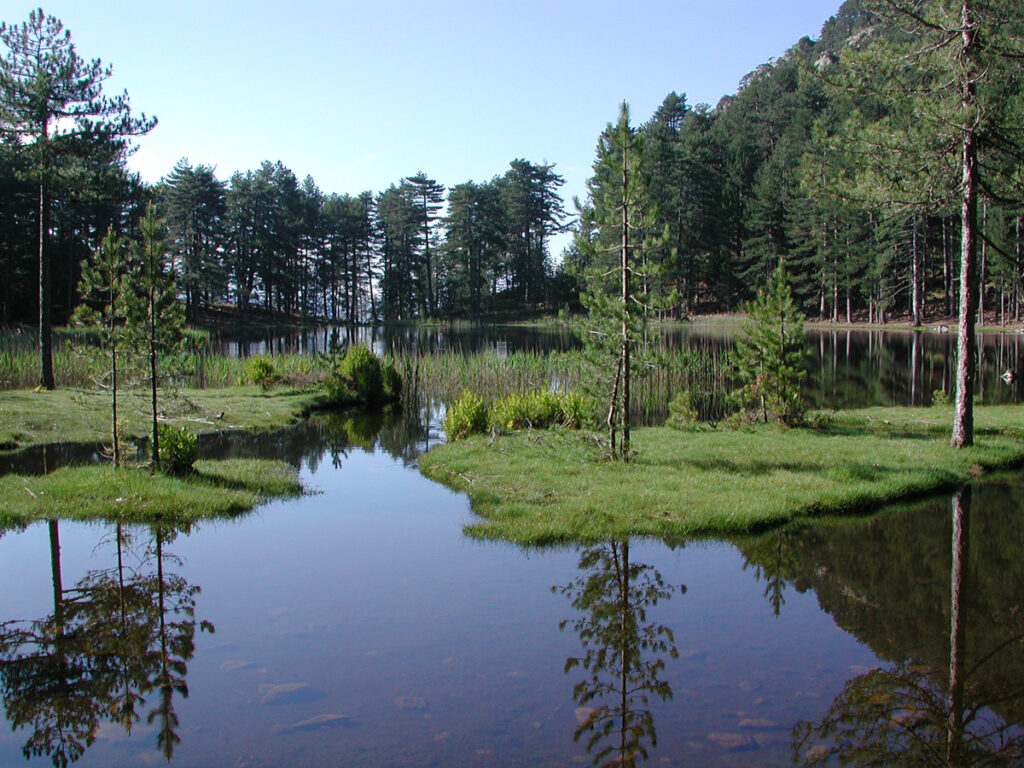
(466, 416)
(681, 413)
(260, 371)
(361, 379)
(177, 450)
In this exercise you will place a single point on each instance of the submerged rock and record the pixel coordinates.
(319, 722)
(411, 702)
(232, 664)
(733, 742)
(288, 693)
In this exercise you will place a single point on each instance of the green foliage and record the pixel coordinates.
(466, 416)
(362, 370)
(616, 237)
(103, 288)
(770, 354)
(681, 413)
(259, 370)
(361, 378)
(535, 409)
(177, 450)
(538, 409)
(155, 319)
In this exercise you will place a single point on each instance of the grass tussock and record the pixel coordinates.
(544, 487)
(215, 489)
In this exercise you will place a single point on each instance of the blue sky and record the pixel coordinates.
(360, 94)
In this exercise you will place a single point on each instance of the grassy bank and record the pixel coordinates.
(215, 489)
(83, 415)
(544, 487)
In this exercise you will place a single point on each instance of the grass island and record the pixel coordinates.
(542, 487)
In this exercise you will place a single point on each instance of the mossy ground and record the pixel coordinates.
(550, 486)
(215, 489)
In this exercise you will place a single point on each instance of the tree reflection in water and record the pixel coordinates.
(912, 713)
(624, 653)
(112, 639)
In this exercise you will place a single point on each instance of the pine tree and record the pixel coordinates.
(103, 292)
(156, 321)
(940, 124)
(619, 221)
(54, 111)
(770, 353)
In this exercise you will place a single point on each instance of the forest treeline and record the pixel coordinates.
(811, 160)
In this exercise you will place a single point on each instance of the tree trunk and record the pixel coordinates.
(915, 278)
(46, 380)
(624, 448)
(963, 414)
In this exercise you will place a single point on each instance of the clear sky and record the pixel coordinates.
(360, 94)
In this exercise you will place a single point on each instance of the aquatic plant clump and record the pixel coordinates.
(260, 371)
(536, 409)
(360, 378)
(466, 416)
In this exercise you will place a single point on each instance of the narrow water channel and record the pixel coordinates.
(357, 626)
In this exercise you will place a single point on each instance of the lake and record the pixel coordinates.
(357, 626)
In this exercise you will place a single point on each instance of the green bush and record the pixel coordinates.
(681, 413)
(361, 379)
(259, 370)
(177, 450)
(466, 416)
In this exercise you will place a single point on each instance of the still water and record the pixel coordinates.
(357, 626)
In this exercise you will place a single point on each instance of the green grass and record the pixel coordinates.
(545, 487)
(83, 415)
(215, 489)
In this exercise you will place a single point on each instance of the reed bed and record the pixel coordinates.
(703, 373)
(435, 376)
(79, 362)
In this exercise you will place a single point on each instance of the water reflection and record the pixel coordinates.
(401, 434)
(114, 639)
(942, 606)
(624, 653)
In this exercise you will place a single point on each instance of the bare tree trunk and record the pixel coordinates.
(624, 448)
(963, 413)
(613, 405)
(915, 278)
(46, 380)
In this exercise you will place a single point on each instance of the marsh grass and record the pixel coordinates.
(443, 377)
(215, 489)
(555, 486)
(78, 362)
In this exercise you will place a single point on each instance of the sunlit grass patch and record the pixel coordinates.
(215, 489)
(537, 487)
